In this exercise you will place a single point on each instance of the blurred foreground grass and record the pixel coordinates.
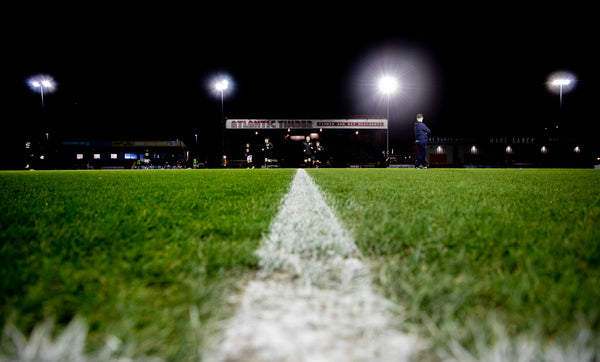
(146, 256)
(469, 251)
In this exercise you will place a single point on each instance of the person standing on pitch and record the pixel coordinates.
(248, 155)
(308, 151)
(421, 132)
(267, 151)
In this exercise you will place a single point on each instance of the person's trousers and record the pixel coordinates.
(422, 154)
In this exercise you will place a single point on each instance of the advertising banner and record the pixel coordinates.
(306, 124)
(176, 143)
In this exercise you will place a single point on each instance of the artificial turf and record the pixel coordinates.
(466, 252)
(146, 256)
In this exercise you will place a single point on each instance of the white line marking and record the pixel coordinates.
(313, 299)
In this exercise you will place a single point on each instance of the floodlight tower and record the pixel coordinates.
(560, 83)
(564, 81)
(387, 85)
(221, 86)
(42, 82)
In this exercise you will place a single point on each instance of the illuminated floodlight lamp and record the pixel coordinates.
(222, 85)
(44, 83)
(561, 82)
(387, 85)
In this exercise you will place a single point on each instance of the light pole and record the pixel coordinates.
(563, 82)
(46, 84)
(221, 86)
(42, 82)
(560, 83)
(387, 85)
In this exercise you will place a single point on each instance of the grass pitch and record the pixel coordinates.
(135, 253)
(470, 251)
(151, 256)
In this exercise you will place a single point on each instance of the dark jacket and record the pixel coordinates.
(421, 132)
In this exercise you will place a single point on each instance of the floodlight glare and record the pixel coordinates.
(388, 84)
(222, 85)
(559, 82)
(45, 84)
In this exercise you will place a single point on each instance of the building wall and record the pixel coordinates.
(510, 152)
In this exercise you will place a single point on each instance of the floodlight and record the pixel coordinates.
(388, 84)
(45, 83)
(559, 82)
(222, 85)
(42, 81)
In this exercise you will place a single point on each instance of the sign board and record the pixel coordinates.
(176, 143)
(306, 124)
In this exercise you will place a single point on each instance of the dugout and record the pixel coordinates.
(122, 154)
(331, 142)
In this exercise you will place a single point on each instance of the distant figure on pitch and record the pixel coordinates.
(317, 154)
(421, 132)
(308, 151)
(248, 155)
(267, 151)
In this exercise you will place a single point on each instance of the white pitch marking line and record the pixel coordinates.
(313, 299)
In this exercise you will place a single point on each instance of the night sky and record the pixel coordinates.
(128, 72)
